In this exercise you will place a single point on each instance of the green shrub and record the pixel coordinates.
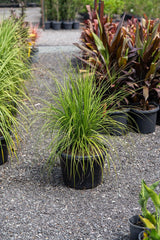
(138, 7)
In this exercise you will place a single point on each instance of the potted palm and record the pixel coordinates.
(74, 117)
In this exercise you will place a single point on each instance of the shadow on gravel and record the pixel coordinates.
(39, 173)
(122, 237)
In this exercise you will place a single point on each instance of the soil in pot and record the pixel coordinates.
(143, 121)
(67, 25)
(56, 25)
(135, 226)
(80, 179)
(3, 151)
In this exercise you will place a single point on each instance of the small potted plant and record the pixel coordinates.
(152, 220)
(66, 13)
(33, 49)
(136, 224)
(56, 23)
(48, 14)
(75, 7)
(74, 117)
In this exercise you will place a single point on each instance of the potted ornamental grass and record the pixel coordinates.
(74, 116)
(13, 70)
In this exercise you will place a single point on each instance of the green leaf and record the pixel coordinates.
(154, 196)
(101, 48)
(147, 223)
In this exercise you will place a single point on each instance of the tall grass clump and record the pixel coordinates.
(75, 115)
(14, 71)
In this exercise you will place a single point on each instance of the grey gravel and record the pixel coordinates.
(36, 205)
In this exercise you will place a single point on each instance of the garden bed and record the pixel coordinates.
(35, 205)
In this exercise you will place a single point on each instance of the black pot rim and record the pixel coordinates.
(137, 226)
(67, 22)
(69, 156)
(146, 111)
(124, 110)
(54, 21)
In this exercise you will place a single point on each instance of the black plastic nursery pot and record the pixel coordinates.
(47, 25)
(135, 227)
(75, 25)
(56, 25)
(158, 116)
(34, 55)
(140, 236)
(67, 25)
(121, 117)
(119, 126)
(76, 177)
(3, 151)
(143, 121)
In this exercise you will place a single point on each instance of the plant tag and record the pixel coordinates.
(145, 92)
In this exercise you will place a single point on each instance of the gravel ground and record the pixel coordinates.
(35, 205)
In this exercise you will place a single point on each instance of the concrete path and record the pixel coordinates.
(49, 40)
(32, 14)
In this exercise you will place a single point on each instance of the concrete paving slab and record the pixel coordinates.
(58, 38)
(32, 14)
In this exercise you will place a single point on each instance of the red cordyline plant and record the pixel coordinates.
(105, 47)
(145, 37)
(125, 55)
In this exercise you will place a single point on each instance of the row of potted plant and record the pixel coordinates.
(61, 14)
(126, 55)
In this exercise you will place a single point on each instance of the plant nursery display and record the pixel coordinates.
(74, 117)
(135, 222)
(60, 13)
